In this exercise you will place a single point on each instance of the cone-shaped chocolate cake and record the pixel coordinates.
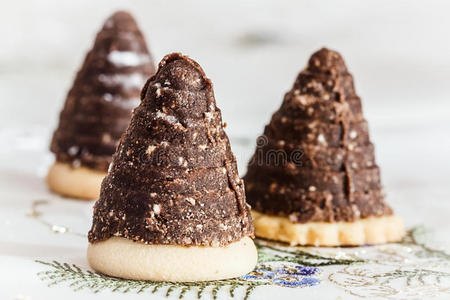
(98, 107)
(313, 179)
(173, 200)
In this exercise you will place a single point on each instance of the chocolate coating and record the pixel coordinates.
(106, 89)
(174, 179)
(279, 153)
(315, 161)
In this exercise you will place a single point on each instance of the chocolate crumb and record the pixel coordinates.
(327, 172)
(98, 106)
(179, 183)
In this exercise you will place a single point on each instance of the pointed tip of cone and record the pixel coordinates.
(326, 60)
(181, 72)
(121, 14)
(121, 21)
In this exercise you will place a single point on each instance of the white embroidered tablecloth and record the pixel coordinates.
(43, 245)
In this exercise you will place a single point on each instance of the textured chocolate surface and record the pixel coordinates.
(309, 107)
(293, 156)
(106, 89)
(322, 180)
(315, 161)
(318, 133)
(174, 179)
(324, 206)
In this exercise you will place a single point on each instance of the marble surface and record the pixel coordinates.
(252, 50)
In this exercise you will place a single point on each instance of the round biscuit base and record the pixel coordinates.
(81, 182)
(120, 257)
(372, 230)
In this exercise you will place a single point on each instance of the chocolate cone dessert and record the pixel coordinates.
(98, 107)
(173, 200)
(313, 178)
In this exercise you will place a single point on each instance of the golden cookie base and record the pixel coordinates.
(372, 230)
(81, 183)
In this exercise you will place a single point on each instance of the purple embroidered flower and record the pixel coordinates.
(307, 271)
(285, 276)
(296, 281)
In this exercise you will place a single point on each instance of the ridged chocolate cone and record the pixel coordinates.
(315, 161)
(174, 179)
(105, 91)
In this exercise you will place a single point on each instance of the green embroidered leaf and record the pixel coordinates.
(417, 236)
(79, 279)
(297, 256)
